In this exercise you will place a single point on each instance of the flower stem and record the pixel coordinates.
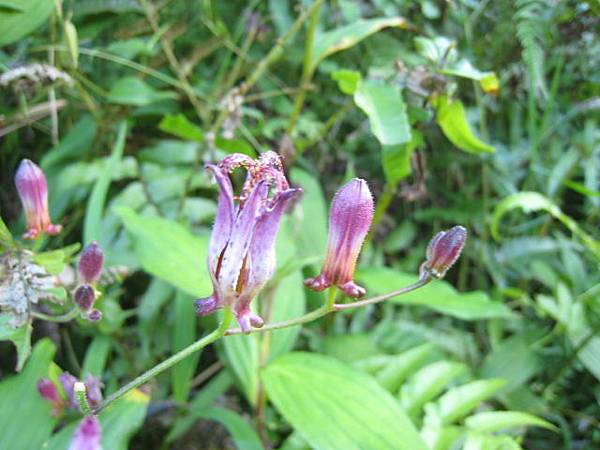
(170, 362)
(369, 301)
(66, 317)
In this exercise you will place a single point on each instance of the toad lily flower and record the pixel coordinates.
(33, 191)
(349, 221)
(241, 253)
(88, 435)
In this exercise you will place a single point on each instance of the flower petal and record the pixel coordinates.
(223, 219)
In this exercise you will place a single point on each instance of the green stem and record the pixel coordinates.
(81, 395)
(331, 298)
(169, 362)
(307, 69)
(68, 316)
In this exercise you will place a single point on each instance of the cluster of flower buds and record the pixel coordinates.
(32, 188)
(49, 391)
(90, 269)
(241, 252)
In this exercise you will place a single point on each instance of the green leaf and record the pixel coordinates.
(242, 355)
(25, 416)
(493, 421)
(20, 337)
(96, 355)
(463, 68)
(347, 80)
(459, 401)
(437, 295)
(72, 42)
(336, 407)
(179, 125)
(21, 17)
(401, 366)
(166, 249)
(333, 41)
(452, 118)
(427, 383)
(479, 441)
(534, 201)
(74, 144)
(54, 260)
(136, 92)
(118, 423)
(395, 159)
(386, 110)
(184, 334)
(95, 206)
(6, 239)
(244, 436)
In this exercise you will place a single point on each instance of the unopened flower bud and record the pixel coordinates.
(349, 221)
(94, 315)
(93, 387)
(88, 435)
(49, 392)
(444, 250)
(33, 191)
(90, 263)
(68, 383)
(84, 297)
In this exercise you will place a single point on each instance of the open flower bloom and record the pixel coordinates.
(33, 192)
(350, 218)
(88, 435)
(241, 253)
(444, 250)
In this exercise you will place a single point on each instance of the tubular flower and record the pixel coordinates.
(49, 392)
(91, 262)
(33, 192)
(88, 435)
(443, 251)
(350, 217)
(241, 253)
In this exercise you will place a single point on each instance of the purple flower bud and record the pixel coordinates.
(33, 191)
(349, 221)
(88, 435)
(241, 253)
(90, 263)
(443, 251)
(93, 388)
(84, 297)
(48, 391)
(68, 383)
(94, 315)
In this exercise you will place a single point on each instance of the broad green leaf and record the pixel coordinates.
(356, 349)
(463, 68)
(170, 152)
(347, 80)
(534, 201)
(74, 144)
(329, 42)
(336, 407)
(20, 337)
(180, 126)
(480, 441)
(401, 366)
(21, 17)
(95, 205)
(384, 106)
(54, 260)
(6, 239)
(427, 383)
(395, 159)
(437, 295)
(166, 249)
(440, 437)
(136, 92)
(459, 401)
(493, 421)
(183, 334)
(242, 355)
(118, 423)
(452, 118)
(244, 436)
(96, 355)
(25, 416)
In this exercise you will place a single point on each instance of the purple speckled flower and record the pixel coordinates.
(93, 387)
(33, 191)
(68, 384)
(443, 251)
(350, 217)
(88, 435)
(241, 253)
(49, 392)
(90, 263)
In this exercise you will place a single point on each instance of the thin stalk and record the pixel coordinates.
(169, 362)
(67, 317)
(380, 298)
(307, 69)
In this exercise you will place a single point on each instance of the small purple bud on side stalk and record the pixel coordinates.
(32, 188)
(90, 263)
(444, 250)
(48, 391)
(94, 315)
(93, 388)
(88, 435)
(84, 297)
(350, 218)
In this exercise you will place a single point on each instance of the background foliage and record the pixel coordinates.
(478, 113)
